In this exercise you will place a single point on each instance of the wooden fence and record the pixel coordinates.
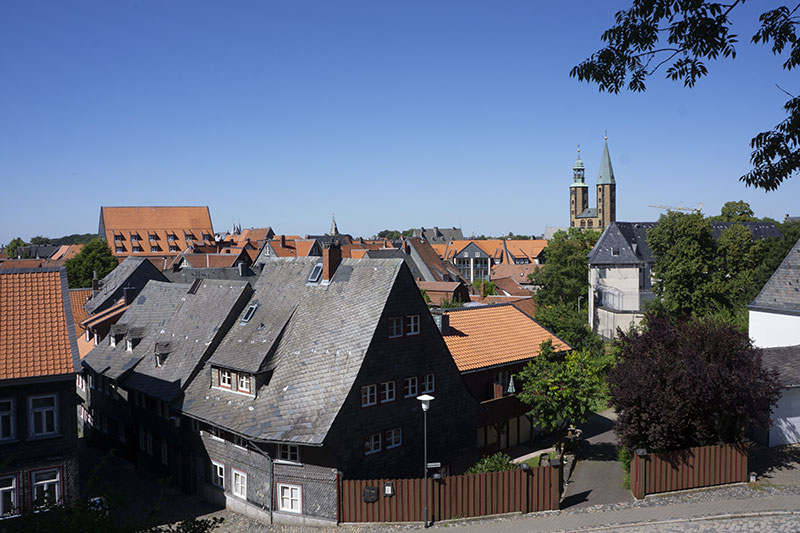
(401, 500)
(703, 466)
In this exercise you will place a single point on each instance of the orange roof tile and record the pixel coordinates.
(530, 248)
(35, 338)
(481, 337)
(79, 297)
(510, 286)
(518, 272)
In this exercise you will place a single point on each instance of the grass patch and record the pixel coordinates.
(533, 462)
(624, 456)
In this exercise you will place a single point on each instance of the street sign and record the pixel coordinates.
(434, 465)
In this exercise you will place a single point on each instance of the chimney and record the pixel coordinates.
(242, 268)
(283, 241)
(128, 293)
(95, 284)
(331, 257)
(483, 289)
(442, 321)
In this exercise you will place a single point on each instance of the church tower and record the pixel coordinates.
(578, 191)
(606, 191)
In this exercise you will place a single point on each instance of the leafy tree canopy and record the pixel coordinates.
(393, 234)
(11, 248)
(683, 35)
(735, 212)
(487, 287)
(39, 240)
(571, 326)
(564, 276)
(95, 256)
(561, 389)
(690, 383)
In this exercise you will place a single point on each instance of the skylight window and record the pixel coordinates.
(249, 313)
(316, 272)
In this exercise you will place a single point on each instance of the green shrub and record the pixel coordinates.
(497, 462)
(624, 456)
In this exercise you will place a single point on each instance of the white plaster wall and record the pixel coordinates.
(608, 322)
(769, 330)
(625, 280)
(786, 419)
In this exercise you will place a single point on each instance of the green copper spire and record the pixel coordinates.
(578, 171)
(606, 175)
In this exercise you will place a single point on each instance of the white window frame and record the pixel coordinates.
(228, 378)
(215, 433)
(369, 395)
(411, 387)
(239, 483)
(243, 382)
(295, 502)
(9, 415)
(164, 452)
(394, 438)
(428, 383)
(13, 490)
(218, 474)
(395, 327)
(32, 412)
(36, 485)
(372, 444)
(387, 391)
(412, 325)
(289, 453)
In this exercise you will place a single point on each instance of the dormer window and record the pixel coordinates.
(153, 237)
(170, 237)
(162, 351)
(243, 383)
(136, 248)
(119, 249)
(316, 272)
(134, 237)
(207, 237)
(188, 235)
(117, 238)
(174, 248)
(225, 379)
(116, 334)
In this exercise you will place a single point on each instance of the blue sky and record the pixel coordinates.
(388, 114)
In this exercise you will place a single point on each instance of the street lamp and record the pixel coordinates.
(426, 400)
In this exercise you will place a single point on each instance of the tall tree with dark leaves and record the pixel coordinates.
(681, 36)
(95, 256)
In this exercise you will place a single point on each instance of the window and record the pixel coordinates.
(81, 381)
(43, 417)
(316, 272)
(239, 442)
(218, 474)
(8, 495)
(249, 314)
(239, 484)
(188, 235)
(290, 498)
(412, 325)
(164, 452)
(369, 395)
(410, 387)
(155, 248)
(46, 485)
(225, 379)
(136, 248)
(171, 238)
(119, 249)
(7, 426)
(134, 237)
(372, 444)
(428, 383)
(174, 248)
(395, 326)
(215, 433)
(394, 438)
(117, 238)
(243, 383)
(387, 391)
(153, 237)
(289, 452)
(141, 439)
(207, 236)
(121, 429)
(149, 443)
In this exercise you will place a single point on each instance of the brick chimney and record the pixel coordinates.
(331, 257)
(283, 241)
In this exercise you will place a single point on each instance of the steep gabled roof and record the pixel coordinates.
(316, 359)
(782, 291)
(519, 273)
(482, 337)
(438, 268)
(786, 361)
(133, 270)
(530, 248)
(38, 333)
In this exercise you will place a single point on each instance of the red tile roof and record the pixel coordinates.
(510, 286)
(77, 298)
(481, 337)
(35, 325)
(518, 272)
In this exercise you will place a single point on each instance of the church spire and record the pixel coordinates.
(334, 228)
(606, 175)
(578, 171)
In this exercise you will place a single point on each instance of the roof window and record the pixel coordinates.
(249, 314)
(316, 272)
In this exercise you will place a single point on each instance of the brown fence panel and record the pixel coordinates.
(453, 496)
(703, 466)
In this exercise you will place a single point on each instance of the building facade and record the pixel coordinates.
(605, 211)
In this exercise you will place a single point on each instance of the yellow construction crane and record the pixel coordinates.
(679, 208)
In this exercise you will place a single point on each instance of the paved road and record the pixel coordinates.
(598, 476)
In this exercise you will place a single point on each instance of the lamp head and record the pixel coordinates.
(426, 400)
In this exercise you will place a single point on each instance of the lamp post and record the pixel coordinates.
(426, 403)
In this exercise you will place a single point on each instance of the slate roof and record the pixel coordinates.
(482, 337)
(438, 235)
(38, 334)
(786, 360)
(435, 265)
(115, 281)
(589, 212)
(150, 310)
(782, 290)
(396, 254)
(186, 337)
(188, 275)
(317, 358)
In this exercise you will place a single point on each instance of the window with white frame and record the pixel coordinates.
(369, 395)
(46, 486)
(240, 442)
(410, 387)
(225, 378)
(215, 433)
(217, 474)
(428, 383)
(80, 381)
(239, 487)
(174, 248)
(149, 443)
(8, 428)
(243, 382)
(43, 415)
(119, 249)
(164, 452)
(395, 326)
(394, 438)
(8, 495)
(412, 325)
(387, 391)
(290, 498)
(372, 444)
(136, 248)
(289, 452)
